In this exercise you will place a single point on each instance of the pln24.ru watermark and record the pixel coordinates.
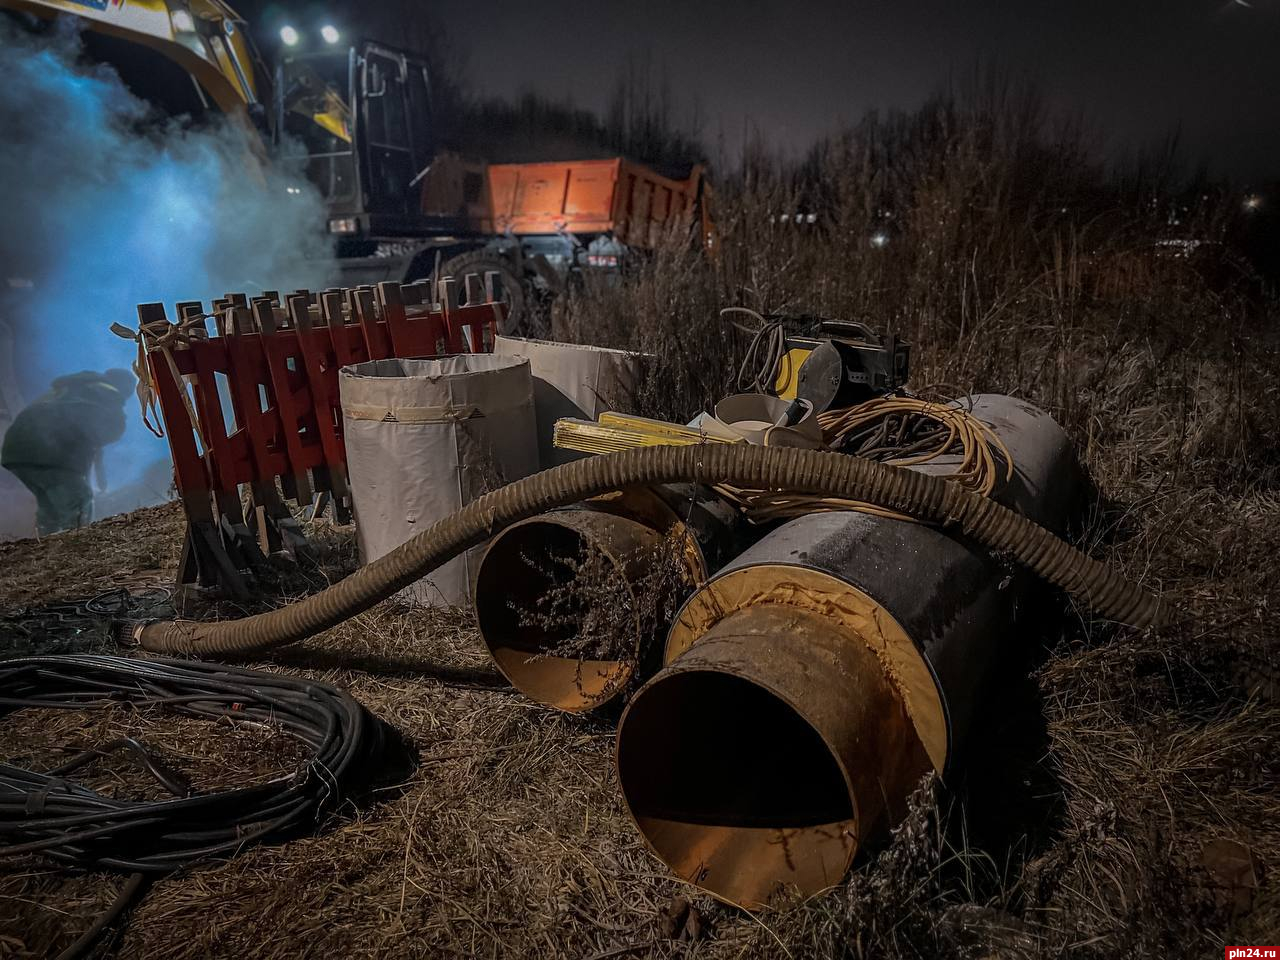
(1253, 953)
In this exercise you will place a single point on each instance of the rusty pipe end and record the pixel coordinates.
(758, 762)
(564, 604)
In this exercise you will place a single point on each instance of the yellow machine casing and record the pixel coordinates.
(798, 350)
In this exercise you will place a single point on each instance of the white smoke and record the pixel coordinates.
(104, 205)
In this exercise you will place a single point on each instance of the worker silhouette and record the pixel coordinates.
(53, 443)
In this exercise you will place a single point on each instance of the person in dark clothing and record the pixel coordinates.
(53, 443)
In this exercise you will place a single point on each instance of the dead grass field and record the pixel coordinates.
(1124, 799)
(1123, 795)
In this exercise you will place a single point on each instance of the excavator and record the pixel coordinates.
(358, 119)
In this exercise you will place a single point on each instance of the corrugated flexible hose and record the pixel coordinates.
(918, 495)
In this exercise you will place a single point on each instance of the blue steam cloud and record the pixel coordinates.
(104, 205)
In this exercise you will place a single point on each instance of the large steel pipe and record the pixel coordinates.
(571, 604)
(813, 681)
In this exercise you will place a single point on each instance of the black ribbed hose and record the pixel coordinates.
(920, 496)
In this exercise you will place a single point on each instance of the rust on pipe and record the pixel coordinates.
(619, 564)
(768, 751)
(812, 681)
(537, 584)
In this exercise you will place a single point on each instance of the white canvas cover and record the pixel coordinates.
(574, 380)
(426, 437)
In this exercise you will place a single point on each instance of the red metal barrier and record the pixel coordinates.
(251, 402)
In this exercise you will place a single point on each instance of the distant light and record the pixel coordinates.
(293, 190)
(289, 36)
(1253, 202)
(183, 22)
(330, 33)
(879, 240)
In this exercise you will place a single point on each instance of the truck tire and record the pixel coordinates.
(514, 293)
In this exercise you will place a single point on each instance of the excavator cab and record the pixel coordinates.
(314, 122)
(361, 120)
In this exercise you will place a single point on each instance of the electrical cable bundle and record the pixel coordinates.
(51, 814)
(900, 431)
(758, 372)
(31, 627)
(906, 431)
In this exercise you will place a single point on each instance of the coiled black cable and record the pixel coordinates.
(51, 814)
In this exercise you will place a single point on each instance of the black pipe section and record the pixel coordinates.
(865, 642)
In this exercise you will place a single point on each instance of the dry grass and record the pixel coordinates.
(1088, 816)
(1091, 816)
(1084, 836)
(609, 601)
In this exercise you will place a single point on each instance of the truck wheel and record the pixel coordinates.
(514, 293)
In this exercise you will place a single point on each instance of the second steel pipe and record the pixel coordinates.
(573, 604)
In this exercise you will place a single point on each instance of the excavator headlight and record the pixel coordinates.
(289, 36)
(330, 33)
(343, 225)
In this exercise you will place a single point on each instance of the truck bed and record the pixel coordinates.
(613, 196)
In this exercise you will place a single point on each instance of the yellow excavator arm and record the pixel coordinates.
(204, 37)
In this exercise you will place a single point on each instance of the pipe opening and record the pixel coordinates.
(734, 789)
(546, 609)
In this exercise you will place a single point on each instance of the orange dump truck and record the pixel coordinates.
(631, 203)
(539, 224)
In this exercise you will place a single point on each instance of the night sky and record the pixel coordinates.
(1136, 68)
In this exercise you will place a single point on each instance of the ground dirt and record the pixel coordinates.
(1109, 808)
(1120, 799)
